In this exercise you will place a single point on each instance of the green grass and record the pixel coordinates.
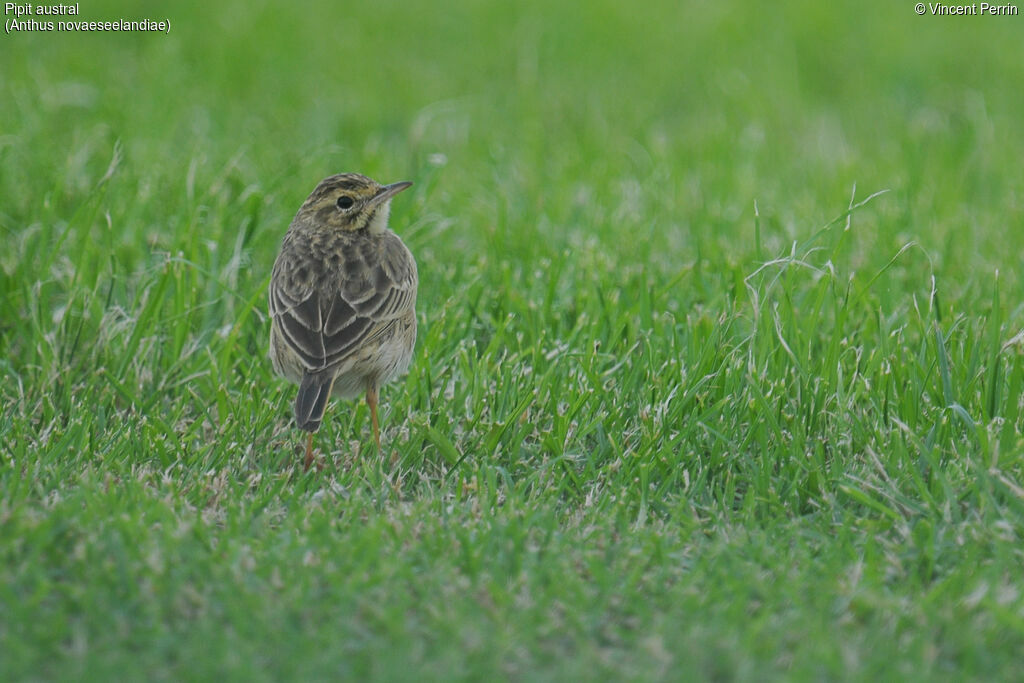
(690, 399)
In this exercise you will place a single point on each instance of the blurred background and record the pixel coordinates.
(519, 117)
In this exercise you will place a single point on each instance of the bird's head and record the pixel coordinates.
(349, 201)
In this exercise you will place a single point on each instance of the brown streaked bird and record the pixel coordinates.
(342, 299)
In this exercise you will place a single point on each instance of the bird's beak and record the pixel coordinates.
(389, 191)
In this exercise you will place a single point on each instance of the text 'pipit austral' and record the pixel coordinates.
(342, 299)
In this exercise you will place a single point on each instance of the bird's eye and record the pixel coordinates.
(345, 202)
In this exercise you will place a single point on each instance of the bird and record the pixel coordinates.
(342, 299)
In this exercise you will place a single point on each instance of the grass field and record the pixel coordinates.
(720, 364)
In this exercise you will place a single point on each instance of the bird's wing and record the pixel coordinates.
(324, 323)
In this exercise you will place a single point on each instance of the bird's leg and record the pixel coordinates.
(371, 400)
(309, 451)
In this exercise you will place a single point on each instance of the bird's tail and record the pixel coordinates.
(311, 401)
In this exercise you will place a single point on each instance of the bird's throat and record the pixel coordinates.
(379, 219)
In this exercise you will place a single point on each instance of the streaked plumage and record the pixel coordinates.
(342, 298)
